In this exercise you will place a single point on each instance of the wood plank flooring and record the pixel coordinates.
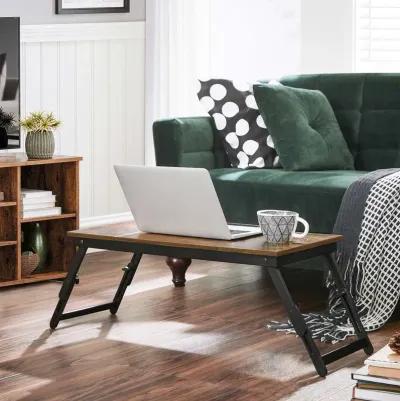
(203, 342)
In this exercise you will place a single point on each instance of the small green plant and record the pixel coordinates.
(40, 121)
(6, 119)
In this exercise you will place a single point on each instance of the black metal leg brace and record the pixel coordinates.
(69, 283)
(129, 273)
(298, 321)
(349, 304)
(300, 326)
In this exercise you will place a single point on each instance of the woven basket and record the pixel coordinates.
(29, 262)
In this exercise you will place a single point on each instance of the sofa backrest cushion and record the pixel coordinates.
(304, 128)
(367, 107)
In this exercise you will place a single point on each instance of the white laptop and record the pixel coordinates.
(177, 201)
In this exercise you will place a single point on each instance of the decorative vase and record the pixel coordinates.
(39, 145)
(3, 138)
(35, 241)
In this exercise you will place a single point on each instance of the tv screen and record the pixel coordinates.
(9, 83)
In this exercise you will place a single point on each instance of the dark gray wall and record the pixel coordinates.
(42, 12)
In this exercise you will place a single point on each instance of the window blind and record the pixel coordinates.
(377, 35)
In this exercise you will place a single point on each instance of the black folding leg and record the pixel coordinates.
(298, 321)
(349, 304)
(68, 285)
(129, 273)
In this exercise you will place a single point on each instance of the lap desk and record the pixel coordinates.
(250, 251)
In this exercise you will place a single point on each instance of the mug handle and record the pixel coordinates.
(306, 229)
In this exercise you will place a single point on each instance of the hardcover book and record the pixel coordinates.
(34, 193)
(384, 358)
(38, 200)
(43, 205)
(384, 372)
(372, 395)
(362, 376)
(29, 214)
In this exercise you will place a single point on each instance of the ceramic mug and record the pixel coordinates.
(279, 226)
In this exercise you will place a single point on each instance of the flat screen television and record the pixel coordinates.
(9, 82)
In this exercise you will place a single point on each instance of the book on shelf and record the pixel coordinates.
(34, 193)
(38, 206)
(38, 200)
(30, 214)
(38, 203)
(1, 196)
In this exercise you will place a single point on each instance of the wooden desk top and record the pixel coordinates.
(128, 233)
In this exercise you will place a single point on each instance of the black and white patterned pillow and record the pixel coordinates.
(233, 107)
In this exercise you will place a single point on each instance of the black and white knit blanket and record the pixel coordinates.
(368, 257)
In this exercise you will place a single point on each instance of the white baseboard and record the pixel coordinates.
(98, 221)
(89, 222)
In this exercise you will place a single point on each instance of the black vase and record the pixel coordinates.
(3, 138)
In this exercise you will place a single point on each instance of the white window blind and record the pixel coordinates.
(377, 35)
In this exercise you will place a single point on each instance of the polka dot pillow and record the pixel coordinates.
(234, 109)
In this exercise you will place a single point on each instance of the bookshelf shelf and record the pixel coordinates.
(8, 204)
(34, 278)
(59, 175)
(48, 218)
(7, 243)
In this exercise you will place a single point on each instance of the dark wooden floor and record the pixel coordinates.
(203, 342)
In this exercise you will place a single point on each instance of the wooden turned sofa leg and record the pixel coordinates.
(178, 268)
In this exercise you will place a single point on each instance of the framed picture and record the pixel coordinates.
(92, 6)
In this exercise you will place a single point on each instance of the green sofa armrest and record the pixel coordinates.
(187, 142)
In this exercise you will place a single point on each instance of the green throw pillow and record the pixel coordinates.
(303, 127)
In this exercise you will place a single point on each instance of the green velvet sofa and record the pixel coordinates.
(367, 107)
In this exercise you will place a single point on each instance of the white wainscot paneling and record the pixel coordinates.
(92, 77)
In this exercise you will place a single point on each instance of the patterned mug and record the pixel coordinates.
(279, 226)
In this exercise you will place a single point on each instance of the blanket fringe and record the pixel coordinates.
(333, 326)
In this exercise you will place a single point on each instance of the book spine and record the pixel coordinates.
(39, 206)
(34, 201)
(383, 364)
(39, 194)
(56, 211)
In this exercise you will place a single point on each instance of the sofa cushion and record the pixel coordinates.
(238, 123)
(315, 195)
(304, 128)
(367, 107)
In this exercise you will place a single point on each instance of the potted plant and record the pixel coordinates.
(39, 142)
(6, 121)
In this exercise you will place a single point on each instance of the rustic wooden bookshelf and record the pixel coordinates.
(60, 175)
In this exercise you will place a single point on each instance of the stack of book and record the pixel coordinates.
(379, 380)
(38, 203)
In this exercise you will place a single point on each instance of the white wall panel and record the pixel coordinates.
(102, 121)
(84, 118)
(117, 132)
(92, 77)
